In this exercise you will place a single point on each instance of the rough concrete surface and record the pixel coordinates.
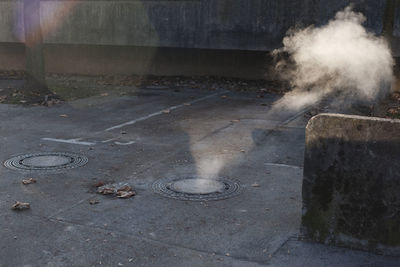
(211, 24)
(229, 134)
(351, 182)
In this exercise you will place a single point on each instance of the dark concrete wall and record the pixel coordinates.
(352, 182)
(207, 24)
(133, 33)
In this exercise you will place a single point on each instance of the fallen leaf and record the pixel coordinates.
(107, 191)
(104, 94)
(64, 115)
(255, 185)
(224, 96)
(93, 201)
(125, 188)
(166, 111)
(123, 194)
(22, 101)
(98, 184)
(29, 181)
(235, 121)
(21, 206)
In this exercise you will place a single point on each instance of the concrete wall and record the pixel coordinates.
(210, 24)
(352, 182)
(251, 25)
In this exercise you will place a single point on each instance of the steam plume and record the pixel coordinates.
(340, 58)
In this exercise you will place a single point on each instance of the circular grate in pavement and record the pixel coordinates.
(197, 189)
(47, 161)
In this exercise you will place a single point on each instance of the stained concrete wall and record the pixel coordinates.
(352, 182)
(210, 24)
(250, 25)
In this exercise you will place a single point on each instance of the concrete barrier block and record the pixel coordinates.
(351, 186)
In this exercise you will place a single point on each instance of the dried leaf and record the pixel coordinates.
(93, 201)
(107, 191)
(255, 185)
(104, 94)
(29, 181)
(98, 184)
(64, 115)
(166, 111)
(235, 121)
(125, 188)
(21, 206)
(123, 194)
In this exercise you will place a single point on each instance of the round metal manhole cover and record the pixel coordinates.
(48, 161)
(197, 189)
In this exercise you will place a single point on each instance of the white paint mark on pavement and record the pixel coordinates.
(125, 144)
(108, 140)
(283, 165)
(70, 141)
(163, 111)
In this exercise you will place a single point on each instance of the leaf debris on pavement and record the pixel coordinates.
(120, 190)
(99, 183)
(93, 201)
(28, 181)
(21, 206)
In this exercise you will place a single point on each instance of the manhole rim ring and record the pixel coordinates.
(160, 187)
(75, 161)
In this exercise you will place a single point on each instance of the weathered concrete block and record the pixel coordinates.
(351, 186)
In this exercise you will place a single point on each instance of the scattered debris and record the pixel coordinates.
(106, 191)
(187, 104)
(123, 194)
(235, 121)
(104, 94)
(28, 181)
(255, 185)
(21, 206)
(64, 115)
(99, 183)
(49, 102)
(166, 111)
(93, 201)
(121, 190)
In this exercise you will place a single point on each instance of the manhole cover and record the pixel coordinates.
(197, 189)
(46, 161)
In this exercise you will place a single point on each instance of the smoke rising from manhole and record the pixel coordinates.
(339, 59)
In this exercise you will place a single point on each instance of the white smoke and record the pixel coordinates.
(340, 58)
